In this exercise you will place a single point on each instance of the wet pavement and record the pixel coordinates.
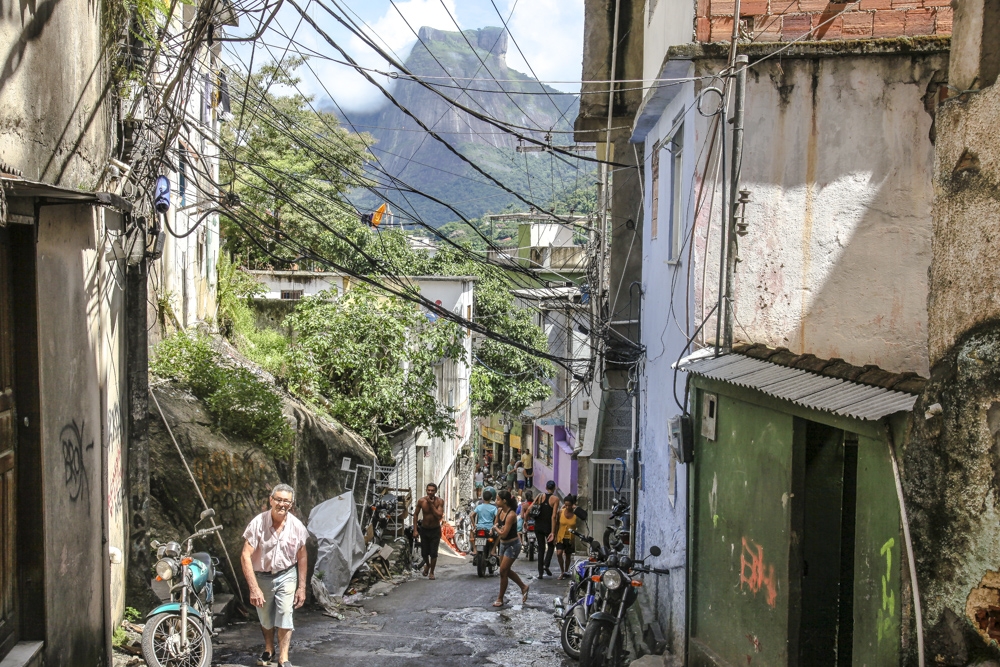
(448, 621)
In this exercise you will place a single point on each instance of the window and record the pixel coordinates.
(676, 178)
(543, 452)
(654, 190)
(291, 294)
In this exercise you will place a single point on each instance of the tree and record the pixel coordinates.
(373, 359)
(291, 165)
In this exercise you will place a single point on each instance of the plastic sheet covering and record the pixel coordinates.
(335, 526)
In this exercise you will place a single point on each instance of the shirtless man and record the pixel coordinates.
(429, 529)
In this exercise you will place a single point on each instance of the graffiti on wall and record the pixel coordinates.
(75, 462)
(886, 616)
(233, 482)
(754, 574)
(116, 507)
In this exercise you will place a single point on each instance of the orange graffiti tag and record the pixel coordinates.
(752, 571)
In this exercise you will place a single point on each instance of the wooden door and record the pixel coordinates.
(8, 453)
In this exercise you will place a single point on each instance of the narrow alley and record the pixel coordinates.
(446, 621)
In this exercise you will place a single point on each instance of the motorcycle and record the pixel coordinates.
(616, 534)
(462, 528)
(605, 639)
(484, 559)
(584, 596)
(530, 539)
(378, 516)
(179, 633)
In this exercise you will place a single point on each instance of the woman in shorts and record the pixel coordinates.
(564, 539)
(510, 545)
(479, 482)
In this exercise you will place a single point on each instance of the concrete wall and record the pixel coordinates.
(951, 457)
(73, 328)
(668, 310)
(838, 159)
(55, 113)
(966, 209)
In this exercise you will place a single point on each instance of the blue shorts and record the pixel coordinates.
(479, 485)
(520, 484)
(279, 598)
(510, 549)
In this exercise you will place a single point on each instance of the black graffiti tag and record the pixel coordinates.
(74, 465)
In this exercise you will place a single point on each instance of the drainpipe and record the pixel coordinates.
(741, 65)
(634, 491)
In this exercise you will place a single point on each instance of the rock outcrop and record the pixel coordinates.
(235, 475)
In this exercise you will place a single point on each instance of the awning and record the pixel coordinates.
(15, 186)
(805, 388)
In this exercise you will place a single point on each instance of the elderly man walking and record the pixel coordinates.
(274, 564)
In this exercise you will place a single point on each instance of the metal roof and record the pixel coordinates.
(810, 390)
(537, 293)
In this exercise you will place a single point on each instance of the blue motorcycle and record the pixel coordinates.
(583, 594)
(179, 633)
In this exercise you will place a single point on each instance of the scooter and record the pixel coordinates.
(179, 633)
(485, 559)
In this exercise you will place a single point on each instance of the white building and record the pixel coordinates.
(420, 459)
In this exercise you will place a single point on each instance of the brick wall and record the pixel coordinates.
(786, 20)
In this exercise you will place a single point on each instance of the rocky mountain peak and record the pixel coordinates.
(491, 39)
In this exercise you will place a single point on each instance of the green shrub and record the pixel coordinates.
(241, 403)
(246, 406)
(132, 614)
(119, 637)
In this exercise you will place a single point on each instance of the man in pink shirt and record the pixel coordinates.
(274, 564)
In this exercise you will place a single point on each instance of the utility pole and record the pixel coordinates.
(741, 64)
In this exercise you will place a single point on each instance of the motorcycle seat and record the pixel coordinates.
(207, 560)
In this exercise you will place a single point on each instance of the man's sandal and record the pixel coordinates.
(498, 603)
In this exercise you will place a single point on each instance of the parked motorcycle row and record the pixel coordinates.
(595, 624)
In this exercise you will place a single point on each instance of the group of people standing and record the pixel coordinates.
(507, 513)
(519, 474)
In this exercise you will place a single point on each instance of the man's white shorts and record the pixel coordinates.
(279, 598)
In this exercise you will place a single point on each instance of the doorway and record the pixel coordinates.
(826, 626)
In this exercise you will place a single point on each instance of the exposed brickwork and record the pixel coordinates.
(816, 20)
(889, 23)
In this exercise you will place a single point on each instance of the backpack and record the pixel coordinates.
(535, 511)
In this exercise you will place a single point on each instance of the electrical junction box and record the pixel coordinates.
(682, 438)
(709, 414)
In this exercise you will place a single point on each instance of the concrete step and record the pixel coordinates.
(222, 609)
(24, 654)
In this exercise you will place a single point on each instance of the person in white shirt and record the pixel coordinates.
(479, 482)
(274, 564)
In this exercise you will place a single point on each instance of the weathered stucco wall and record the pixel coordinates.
(952, 459)
(71, 409)
(54, 91)
(838, 158)
(964, 280)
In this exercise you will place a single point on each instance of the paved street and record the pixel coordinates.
(449, 621)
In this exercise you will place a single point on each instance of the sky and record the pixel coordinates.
(550, 32)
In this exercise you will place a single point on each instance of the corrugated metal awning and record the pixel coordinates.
(810, 390)
(16, 186)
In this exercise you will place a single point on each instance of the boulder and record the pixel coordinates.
(236, 476)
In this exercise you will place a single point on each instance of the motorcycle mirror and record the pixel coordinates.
(580, 513)
(654, 551)
(155, 544)
(207, 514)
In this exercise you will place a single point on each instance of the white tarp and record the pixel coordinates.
(341, 542)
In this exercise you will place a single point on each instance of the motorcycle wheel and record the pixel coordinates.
(571, 635)
(161, 641)
(531, 551)
(481, 565)
(462, 542)
(576, 591)
(595, 643)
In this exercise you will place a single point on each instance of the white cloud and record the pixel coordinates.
(390, 32)
(550, 32)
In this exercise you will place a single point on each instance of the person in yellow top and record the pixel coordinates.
(526, 462)
(564, 539)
